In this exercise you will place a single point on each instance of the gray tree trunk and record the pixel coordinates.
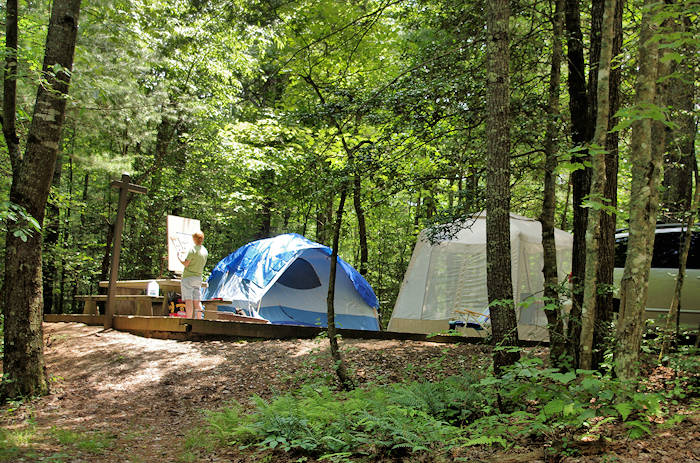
(498, 264)
(23, 361)
(597, 153)
(580, 179)
(606, 253)
(645, 177)
(555, 322)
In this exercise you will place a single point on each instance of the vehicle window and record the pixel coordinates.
(666, 250)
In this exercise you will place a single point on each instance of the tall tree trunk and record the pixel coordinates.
(23, 361)
(9, 102)
(346, 381)
(645, 173)
(555, 323)
(581, 178)
(565, 212)
(598, 154)
(361, 224)
(606, 254)
(498, 263)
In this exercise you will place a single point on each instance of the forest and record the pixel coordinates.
(357, 124)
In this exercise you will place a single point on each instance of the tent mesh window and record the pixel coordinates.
(300, 275)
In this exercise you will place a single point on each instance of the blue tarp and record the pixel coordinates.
(246, 273)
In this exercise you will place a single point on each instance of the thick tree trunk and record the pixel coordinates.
(346, 381)
(597, 153)
(580, 179)
(645, 173)
(23, 362)
(555, 323)
(498, 263)
(606, 254)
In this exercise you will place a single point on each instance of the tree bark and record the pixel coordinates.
(361, 222)
(9, 103)
(645, 172)
(598, 154)
(552, 302)
(346, 381)
(606, 254)
(498, 258)
(581, 178)
(23, 362)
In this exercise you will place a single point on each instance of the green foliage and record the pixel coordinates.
(95, 443)
(16, 219)
(414, 417)
(13, 442)
(28, 444)
(386, 419)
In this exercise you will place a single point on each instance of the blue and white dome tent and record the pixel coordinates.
(285, 280)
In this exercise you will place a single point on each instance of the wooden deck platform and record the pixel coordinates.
(189, 329)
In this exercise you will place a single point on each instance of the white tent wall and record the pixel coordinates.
(451, 275)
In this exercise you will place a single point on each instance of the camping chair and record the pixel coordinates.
(475, 320)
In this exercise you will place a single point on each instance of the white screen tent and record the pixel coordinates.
(446, 280)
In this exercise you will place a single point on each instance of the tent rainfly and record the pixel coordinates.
(446, 281)
(285, 280)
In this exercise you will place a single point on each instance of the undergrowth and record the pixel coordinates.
(410, 418)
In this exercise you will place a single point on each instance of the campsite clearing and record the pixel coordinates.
(136, 399)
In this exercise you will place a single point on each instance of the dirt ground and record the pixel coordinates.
(146, 395)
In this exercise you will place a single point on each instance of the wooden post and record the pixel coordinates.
(125, 187)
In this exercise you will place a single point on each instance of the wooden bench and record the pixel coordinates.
(144, 303)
